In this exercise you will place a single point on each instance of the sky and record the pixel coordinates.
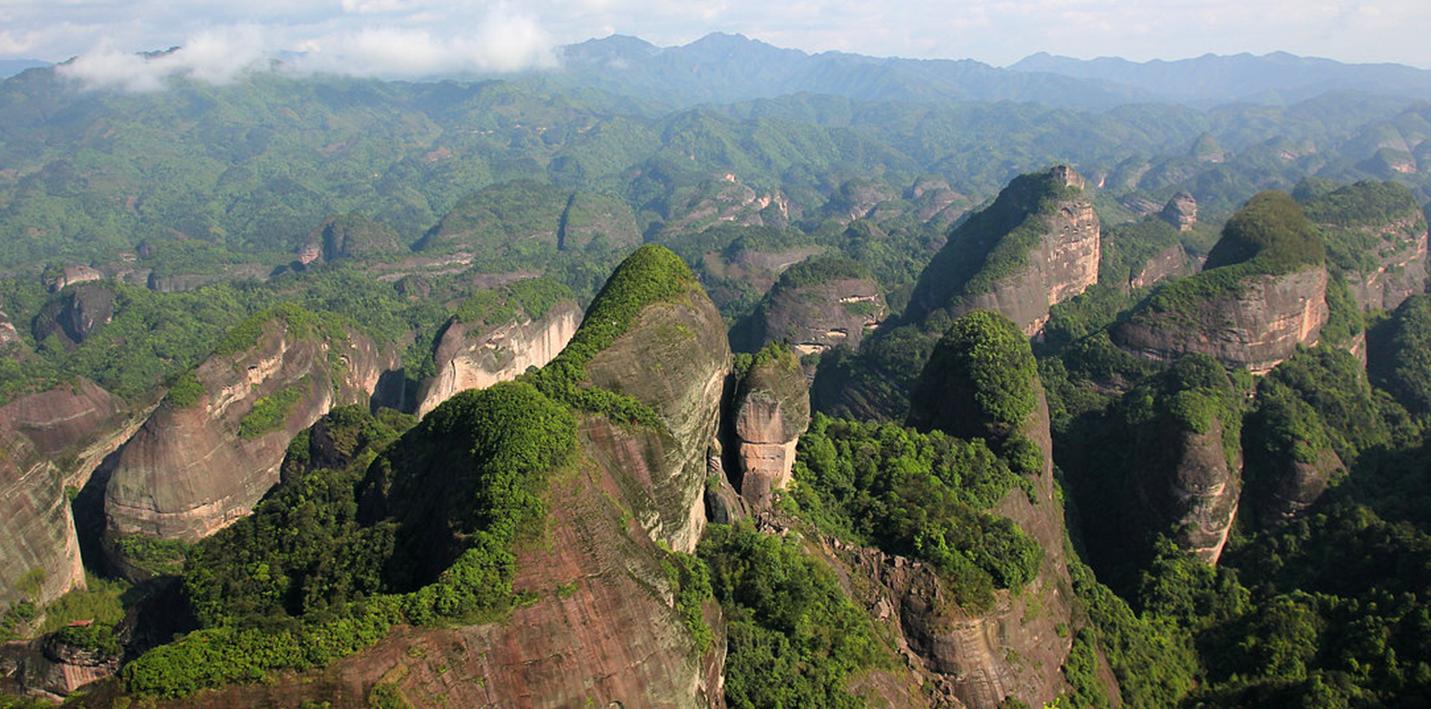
(397, 38)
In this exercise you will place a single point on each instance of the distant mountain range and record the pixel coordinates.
(1278, 77)
(722, 68)
(11, 67)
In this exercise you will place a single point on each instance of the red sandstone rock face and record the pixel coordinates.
(675, 359)
(1191, 489)
(478, 359)
(772, 410)
(188, 473)
(1401, 270)
(1256, 329)
(978, 660)
(39, 552)
(78, 422)
(1180, 211)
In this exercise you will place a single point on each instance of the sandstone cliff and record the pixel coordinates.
(40, 557)
(771, 410)
(1037, 245)
(1376, 237)
(817, 305)
(1263, 294)
(1180, 212)
(674, 358)
(476, 356)
(75, 425)
(75, 314)
(1192, 488)
(214, 446)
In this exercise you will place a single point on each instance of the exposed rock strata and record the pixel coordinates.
(1180, 211)
(1255, 328)
(189, 472)
(1191, 489)
(772, 410)
(476, 359)
(39, 556)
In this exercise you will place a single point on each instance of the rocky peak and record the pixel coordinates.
(1037, 245)
(771, 411)
(72, 275)
(76, 313)
(1180, 211)
(1261, 295)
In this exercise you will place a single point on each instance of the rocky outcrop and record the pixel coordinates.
(817, 305)
(70, 276)
(348, 236)
(77, 313)
(1036, 246)
(40, 557)
(8, 334)
(1191, 488)
(76, 424)
(470, 357)
(1170, 262)
(214, 447)
(771, 411)
(1255, 327)
(1263, 294)
(674, 359)
(1180, 212)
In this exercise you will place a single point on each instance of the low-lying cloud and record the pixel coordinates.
(501, 41)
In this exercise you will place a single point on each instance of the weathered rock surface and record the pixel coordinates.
(1036, 246)
(1256, 327)
(39, 556)
(8, 334)
(72, 275)
(75, 424)
(772, 410)
(978, 659)
(814, 317)
(76, 314)
(1400, 270)
(193, 469)
(469, 358)
(1191, 489)
(1180, 211)
(1171, 262)
(675, 359)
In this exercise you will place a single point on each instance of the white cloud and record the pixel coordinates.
(216, 56)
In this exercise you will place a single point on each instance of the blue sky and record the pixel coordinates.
(412, 37)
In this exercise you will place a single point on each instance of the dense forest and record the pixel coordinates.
(562, 389)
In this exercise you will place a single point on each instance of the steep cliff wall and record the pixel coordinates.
(1263, 294)
(214, 446)
(817, 305)
(771, 410)
(1037, 245)
(1376, 238)
(39, 558)
(75, 425)
(476, 358)
(1192, 488)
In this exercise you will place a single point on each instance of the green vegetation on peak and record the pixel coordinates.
(924, 495)
(651, 275)
(820, 269)
(994, 241)
(531, 298)
(1272, 231)
(794, 637)
(334, 557)
(1364, 203)
(981, 381)
(1269, 236)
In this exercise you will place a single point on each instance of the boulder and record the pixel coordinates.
(772, 410)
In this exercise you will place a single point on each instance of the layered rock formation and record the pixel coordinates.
(1180, 212)
(771, 410)
(1170, 262)
(214, 447)
(1037, 245)
(674, 358)
(40, 557)
(76, 314)
(817, 305)
(1376, 237)
(1192, 488)
(78, 424)
(1263, 294)
(476, 356)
